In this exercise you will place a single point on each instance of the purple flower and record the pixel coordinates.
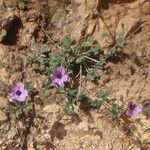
(59, 76)
(18, 92)
(133, 109)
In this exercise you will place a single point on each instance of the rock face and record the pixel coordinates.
(127, 25)
(6, 22)
(50, 128)
(3, 102)
(3, 117)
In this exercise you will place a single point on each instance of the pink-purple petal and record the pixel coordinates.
(65, 78)
(18, 87)
(133, 109)
(61, 69)
(59, 77)
(58, 82)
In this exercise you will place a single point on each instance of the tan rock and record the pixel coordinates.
(4, 76)
(102, 34)
(84, 23)
(146, 139)
(83, 126)
(27, 33)
(77, 1)
(146, 8)
(53, 108)
(137, 4)
(3, 117)
(2, 52)
(3, 102)
(127, 25)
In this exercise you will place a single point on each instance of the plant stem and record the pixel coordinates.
(92, 59)
(80, 82)
(50, 38)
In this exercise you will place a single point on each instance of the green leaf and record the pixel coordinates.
(27, 107)
(81, 96)
(56, 59)
(101, 63)
(95, 103)
(30, 87)
(66, 41)
(78, 49)
(91, 38)
(69, 109)
(80, 60)
(45, 48)
(112, 53)
(120, 41)
(22, 4)
(95, 50)
(61, 89)
(92, 74)
(72, 93)
(103, 95)
(116, 111)
(104, 34)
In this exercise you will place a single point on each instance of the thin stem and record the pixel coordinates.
(128, 35)
(92, 59)
(110, 33)
(50, 38)
(80, 82)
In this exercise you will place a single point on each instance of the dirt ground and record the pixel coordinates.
(51, 129)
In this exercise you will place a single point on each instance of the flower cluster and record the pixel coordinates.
(19, 93)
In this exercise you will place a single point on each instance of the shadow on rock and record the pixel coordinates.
(58, 130)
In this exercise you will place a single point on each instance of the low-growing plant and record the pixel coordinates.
(101, 97)
(71, 97)
(96, 103)
(18, 108)
(66, 63)
(31, 88)
(116, 110)
(19, 102)
(71, 55)
(22, 4)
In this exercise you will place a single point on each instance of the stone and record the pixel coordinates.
(2, 52)
(77, 1)
(146, 139)
(28, 33)
(3, 102)
(59, 19)
(51, 108)
(137, 4)
(83, 126)
(3, 116)
(146, 107)
(127, 25)
(146, 8)
(102, 35)
(4, 76)
(1, 142)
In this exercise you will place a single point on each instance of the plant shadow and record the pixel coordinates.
(58, 130)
